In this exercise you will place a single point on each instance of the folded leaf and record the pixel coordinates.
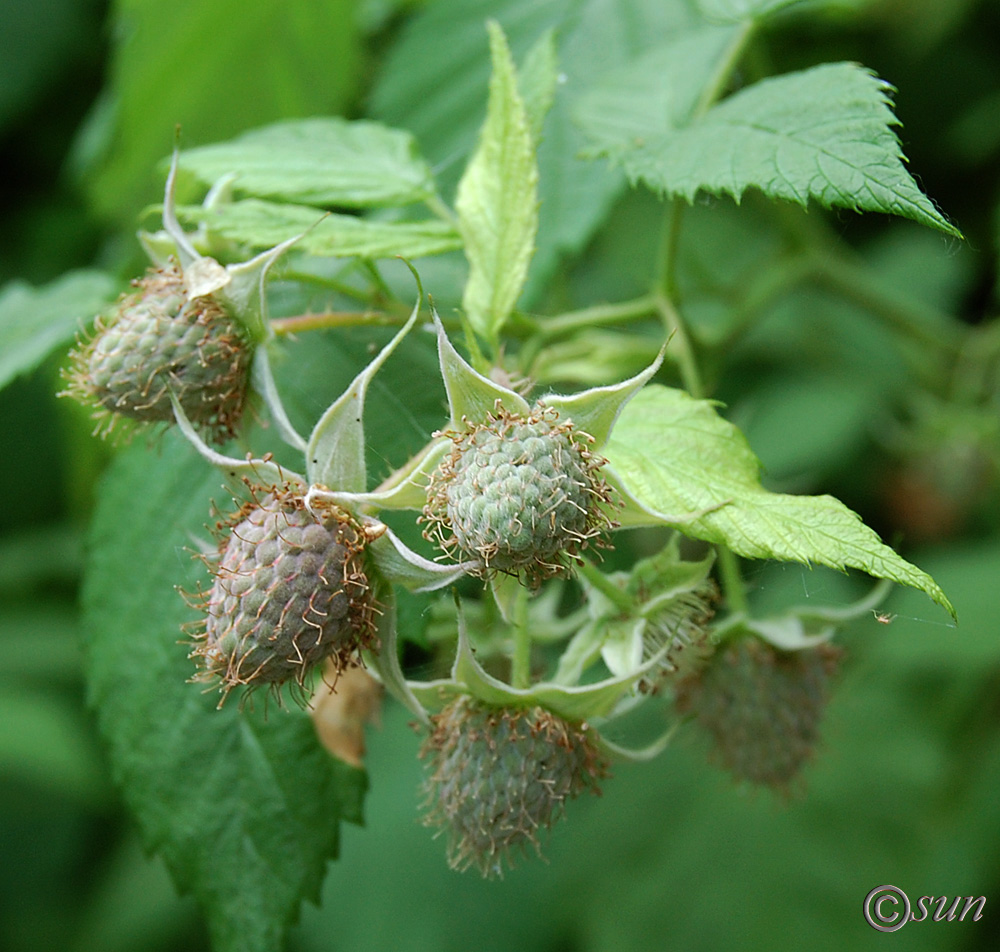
(675, 454)
(497, 200)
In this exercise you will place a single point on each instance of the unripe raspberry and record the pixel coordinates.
(762, 707)
(519, 495)
(290, 589)
(162, 340)
(500, 775)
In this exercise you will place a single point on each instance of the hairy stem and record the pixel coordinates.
(732, 580)
(606, 587)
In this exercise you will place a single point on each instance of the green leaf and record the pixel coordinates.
(824, 134)
(433, 84)
(35, 321)
(215, 68)
(243, 808)
(322, 162)
(657, 92)
(261, 224)
(674, 454)
(497, 200)
(537, 80)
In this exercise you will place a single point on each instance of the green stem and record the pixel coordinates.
(732, 580)
(677, 331)
(436, 205)
(717, 84)
(598, 315)
(327, 319)
(520, 674)
(606, 587)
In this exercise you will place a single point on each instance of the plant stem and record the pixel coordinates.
(599, 314)
(732, 580)
(717, 84)
(520, 674)
(606, 587)
(436, 205)
(328, 319)
(676, 329)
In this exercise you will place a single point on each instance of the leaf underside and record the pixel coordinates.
(676, 455)
(263, 224)
(325, 162)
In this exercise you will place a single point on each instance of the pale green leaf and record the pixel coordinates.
(244, 808)
(823, 134)
(35, 321)
(324, 162)
(436, 74)
(261, 224)
(537, 80)
(497, 200)
(674, 454)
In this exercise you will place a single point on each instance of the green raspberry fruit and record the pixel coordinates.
(499, 775)
(519, 495)
(161, 340)
(762, 707)
(290, 589)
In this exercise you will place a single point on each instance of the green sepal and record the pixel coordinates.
(335, 453)
(595, 411)
(471, 396)
(575, 703)
(263, 382)
(637, 755)
(804, 626)
(261, 472)
(400, 565)
(385, 662)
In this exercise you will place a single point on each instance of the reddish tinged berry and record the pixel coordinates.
(290, 590)
(762, 707)
(159, 341)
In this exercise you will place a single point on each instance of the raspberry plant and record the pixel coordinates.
(562, 520)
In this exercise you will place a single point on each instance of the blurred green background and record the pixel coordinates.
(673, 855)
